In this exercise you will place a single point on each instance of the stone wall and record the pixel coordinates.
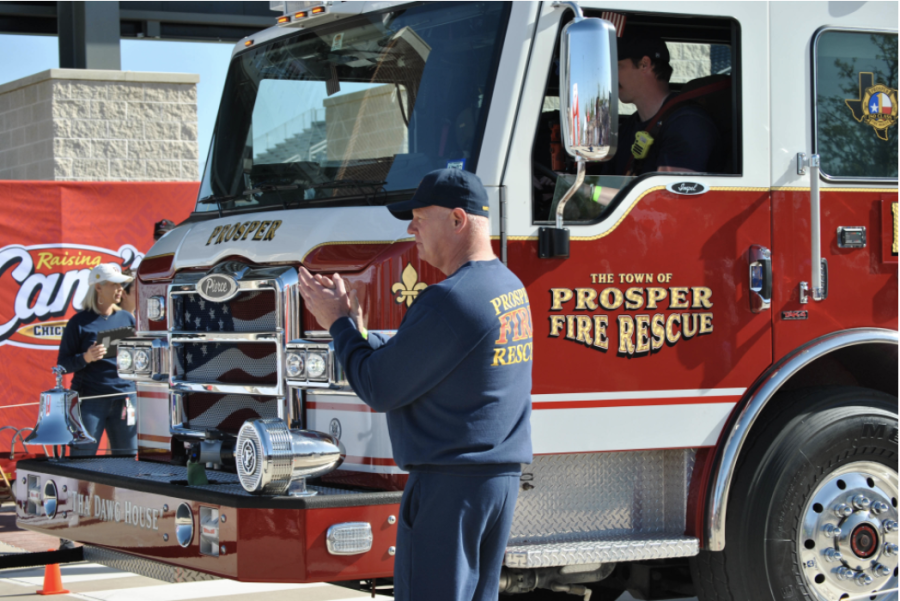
(99, 125)
(689, 61)
(365, 124)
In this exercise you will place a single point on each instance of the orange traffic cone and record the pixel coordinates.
(52, 580)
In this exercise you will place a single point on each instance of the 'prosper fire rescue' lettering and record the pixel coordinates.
(637, 334)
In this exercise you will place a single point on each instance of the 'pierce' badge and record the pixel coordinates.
(217, 287)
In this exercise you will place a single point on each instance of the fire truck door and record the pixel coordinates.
(648, 333)
(851, 97)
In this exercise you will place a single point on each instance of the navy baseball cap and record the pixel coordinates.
(637, 48)
(449, 188)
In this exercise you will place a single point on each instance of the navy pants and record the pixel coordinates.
(452, 535)
(106, 414)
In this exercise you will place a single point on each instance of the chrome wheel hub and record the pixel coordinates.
(847, 542)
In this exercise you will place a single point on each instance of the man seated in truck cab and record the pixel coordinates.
(668, 133)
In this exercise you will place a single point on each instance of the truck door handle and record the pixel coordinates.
(760, 278)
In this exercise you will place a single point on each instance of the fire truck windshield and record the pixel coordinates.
(356, 111)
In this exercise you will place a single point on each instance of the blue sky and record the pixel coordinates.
(34, 54)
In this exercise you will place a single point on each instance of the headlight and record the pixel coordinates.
(156, 308)
(294, 364)
(124, 359)
(141, 360)
(315, 365)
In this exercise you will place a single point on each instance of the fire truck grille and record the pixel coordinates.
(247, 312)
(226, 412)
(227, 362)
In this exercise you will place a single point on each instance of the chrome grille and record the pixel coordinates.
(227, 362)
(225, 356)
(226, 412)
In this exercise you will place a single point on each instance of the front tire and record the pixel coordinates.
(810, 465)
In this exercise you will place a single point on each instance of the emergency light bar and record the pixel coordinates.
(304, 14)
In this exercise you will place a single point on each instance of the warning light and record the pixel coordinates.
(283, 20)
(318, 10)
(301, 15)
(248, 43)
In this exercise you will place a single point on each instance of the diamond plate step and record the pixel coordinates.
(607, 550)
(144, 567)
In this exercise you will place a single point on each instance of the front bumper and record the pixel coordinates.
(130, 507)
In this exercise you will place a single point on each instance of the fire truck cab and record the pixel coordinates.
(714, 353)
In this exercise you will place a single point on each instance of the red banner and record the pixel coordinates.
(51, 235)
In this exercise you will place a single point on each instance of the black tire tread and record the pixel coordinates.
(710, 570)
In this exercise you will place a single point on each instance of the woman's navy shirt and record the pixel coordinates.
(83, 330)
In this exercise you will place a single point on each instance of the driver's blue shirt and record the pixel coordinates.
(688, 138)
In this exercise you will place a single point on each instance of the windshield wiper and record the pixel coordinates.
(359, 184)
(263, 188)
(270, 188)
(212, 198)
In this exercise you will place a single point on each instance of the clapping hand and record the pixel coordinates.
(327, 298)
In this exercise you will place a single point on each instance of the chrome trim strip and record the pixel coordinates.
(814, 50)
(331, 390)
(179, 336)
(752, 404)
(243, 286)
(317, 334)
(159, 359)
(176, 425)
(150, 334)
(227, 388)
(304, 384)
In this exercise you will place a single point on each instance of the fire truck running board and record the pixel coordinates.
(607, 550)
(144, 567)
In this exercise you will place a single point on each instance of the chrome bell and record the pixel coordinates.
(59, 421)
(275, 460)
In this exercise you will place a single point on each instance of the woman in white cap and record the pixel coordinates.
(87, 349)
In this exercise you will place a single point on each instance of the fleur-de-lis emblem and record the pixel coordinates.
(409, 289)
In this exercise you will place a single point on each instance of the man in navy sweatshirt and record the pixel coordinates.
(455, 382)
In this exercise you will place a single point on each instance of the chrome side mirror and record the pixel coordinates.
(588, 109)
(589, 89)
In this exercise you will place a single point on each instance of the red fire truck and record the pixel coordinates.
(714, 357)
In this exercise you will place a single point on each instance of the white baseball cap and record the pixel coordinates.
(108, 272)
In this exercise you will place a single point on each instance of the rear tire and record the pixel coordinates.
(786, 481)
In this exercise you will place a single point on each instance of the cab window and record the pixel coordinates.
(856, 104)
(703, 52)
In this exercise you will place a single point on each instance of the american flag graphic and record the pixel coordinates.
(248, 312)
(239, 363)
(227, 362)
(617, 19)
(226, 412)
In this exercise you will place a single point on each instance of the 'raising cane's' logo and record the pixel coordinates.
(42, 286)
